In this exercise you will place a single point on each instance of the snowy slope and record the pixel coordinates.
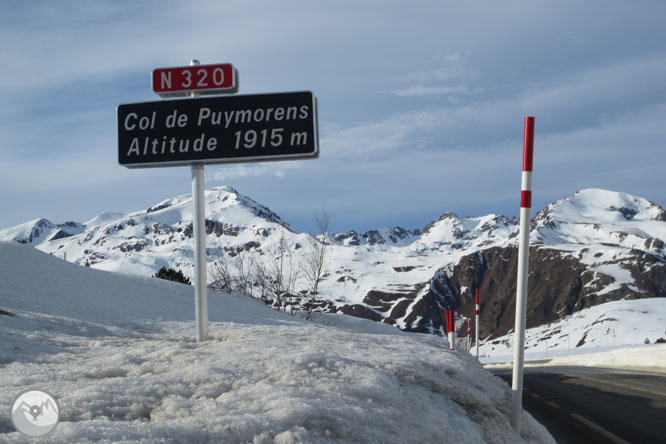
(93, 340)
(36, 282)
(596, 329)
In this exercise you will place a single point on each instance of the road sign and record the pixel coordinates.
(205, 79)
(226, 129)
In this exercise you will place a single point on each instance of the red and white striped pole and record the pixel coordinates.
(469, 334)
(476, 325)
(521, 287)
(450, 328)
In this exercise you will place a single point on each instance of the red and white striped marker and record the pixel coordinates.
(451, 328)
(476, 325)
(528, 158)
(521, 287)
(469, 334)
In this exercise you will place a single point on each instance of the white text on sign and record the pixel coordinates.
(218, 130)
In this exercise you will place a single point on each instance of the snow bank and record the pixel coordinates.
(120, 375)
(650, 358)
(647, 357)
(265, 384)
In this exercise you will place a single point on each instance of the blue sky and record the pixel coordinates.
(421, 103)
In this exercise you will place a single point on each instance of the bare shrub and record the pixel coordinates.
(314, 262)
(237, 277)
(276, 276)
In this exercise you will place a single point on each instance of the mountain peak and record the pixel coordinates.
(601, 216)
(595, 204)
(37, 231)
(450, 217)
(225, 197)
(226, 189)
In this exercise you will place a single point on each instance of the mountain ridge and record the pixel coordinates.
(394, 275)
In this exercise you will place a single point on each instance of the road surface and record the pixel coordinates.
(589, 405)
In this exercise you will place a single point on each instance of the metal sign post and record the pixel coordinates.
(199, 231)
(199, 247)
(521, 287)
(197, 131)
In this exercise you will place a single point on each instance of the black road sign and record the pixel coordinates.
(229, 129)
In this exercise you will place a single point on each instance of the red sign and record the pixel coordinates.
(204, 79)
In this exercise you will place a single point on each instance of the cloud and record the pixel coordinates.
(600, 93)
(454, 68)
(275, 169)
(451, 78)
(64, 173)
(420, 90)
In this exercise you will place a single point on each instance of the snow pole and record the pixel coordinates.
(450, 328)
(521, 287)
(476, 325)
(469, 334)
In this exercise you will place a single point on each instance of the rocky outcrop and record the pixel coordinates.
(559, 284)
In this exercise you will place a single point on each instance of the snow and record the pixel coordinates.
(603, 206)
(118, 354)
(639, 357)
(646, 358)
(118, 351)
(600, 216)
(620, 277)
(38, 231)
(103, 219)
(611, 334)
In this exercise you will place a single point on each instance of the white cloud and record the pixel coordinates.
(452, 78)
(454, 69)
(622, 85)
(420, 90)
(275, 169)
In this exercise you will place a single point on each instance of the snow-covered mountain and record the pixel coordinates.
(142, 242)
(592, 247)
(602, 217)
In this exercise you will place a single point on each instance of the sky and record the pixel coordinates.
(420, 104)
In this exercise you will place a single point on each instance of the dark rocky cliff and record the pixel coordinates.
(559, 285)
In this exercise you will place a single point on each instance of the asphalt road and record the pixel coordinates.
(593, 405)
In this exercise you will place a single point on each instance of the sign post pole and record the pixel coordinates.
(199, 229)
(199, 250)
(521, 287)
